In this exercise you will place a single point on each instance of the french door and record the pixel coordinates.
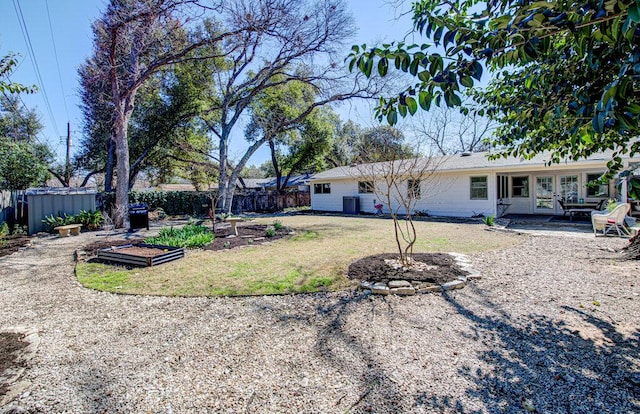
(551, 188)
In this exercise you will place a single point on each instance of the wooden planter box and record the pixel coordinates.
(141, 254)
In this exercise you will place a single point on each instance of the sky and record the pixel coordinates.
(58, 33)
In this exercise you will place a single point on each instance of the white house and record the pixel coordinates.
(469, 184)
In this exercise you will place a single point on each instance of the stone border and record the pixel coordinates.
(11, 376)
(406, 288)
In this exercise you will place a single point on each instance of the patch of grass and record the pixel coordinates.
(104, 277)
(189, 236)
(306, 235)
(316, 258)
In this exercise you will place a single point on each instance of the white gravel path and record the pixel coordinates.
(553, 324)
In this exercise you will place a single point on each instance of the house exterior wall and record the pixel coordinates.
(447, 193)
(526, 205)
(333, 200)
(440, 195)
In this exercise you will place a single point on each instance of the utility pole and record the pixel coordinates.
(67, 165)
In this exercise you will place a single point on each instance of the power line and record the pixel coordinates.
(32, 55)
(16, 111)
(55, 53)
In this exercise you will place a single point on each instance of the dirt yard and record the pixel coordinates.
(553, 324)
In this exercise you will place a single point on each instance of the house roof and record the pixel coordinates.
(252, 183)
(294, 180)
(458, 162)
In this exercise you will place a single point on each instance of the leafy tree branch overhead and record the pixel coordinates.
(566, 75)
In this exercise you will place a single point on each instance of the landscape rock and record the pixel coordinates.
(403, 291)
(380, 289)
(430, 288)
(399, 284)
(456, 284)
(366, 284)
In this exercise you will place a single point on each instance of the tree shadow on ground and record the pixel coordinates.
(540, 364)
(531, 362)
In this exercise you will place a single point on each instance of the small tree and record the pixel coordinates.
(448, 131)
(400, 183)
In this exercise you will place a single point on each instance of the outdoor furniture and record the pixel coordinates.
(574, 211)
(502, 208)
(233, 221)
(64, 230)
(562, 206)
(579, 208)
(606, 221)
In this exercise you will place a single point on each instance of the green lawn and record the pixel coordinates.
(315, 258)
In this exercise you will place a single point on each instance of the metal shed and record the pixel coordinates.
(47, 201)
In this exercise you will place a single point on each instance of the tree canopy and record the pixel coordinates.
(7, 64)
(298, 138)
(23, 160)
(566, 74)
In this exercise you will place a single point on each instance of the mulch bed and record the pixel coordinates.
(254, 232)
(375, 269)
(11, 244)
(251, 234)
(10, 343)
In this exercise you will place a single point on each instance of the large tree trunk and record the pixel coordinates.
(121, 122)
(276, 167)
(111, 162)
(223, 184)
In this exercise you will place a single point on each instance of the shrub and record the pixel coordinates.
(4, 230)
(277, 225)
(189, 236)
(62, 219)
(489, 220)
(270, 232)
(90, 220)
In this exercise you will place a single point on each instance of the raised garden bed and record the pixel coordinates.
(141, 254)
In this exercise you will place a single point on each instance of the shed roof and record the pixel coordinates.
(60, 191)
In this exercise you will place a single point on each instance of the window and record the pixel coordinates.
(520, 186)
(413, 189)
(596, 190)
(322, 188)
(365, 187)
(479, 189)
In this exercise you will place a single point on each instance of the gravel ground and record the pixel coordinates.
(554, 325)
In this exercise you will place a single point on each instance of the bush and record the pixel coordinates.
(270, 232)
(277, 225)
(4, 230)
(172, 203)
(189, 236)
(489, 220)
(62, 219)
(90, 220)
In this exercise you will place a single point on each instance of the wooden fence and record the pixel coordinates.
(269, 201)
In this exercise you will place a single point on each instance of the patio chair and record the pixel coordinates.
(606, 221)
(564, 209)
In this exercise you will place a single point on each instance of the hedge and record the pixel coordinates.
(173, 203)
